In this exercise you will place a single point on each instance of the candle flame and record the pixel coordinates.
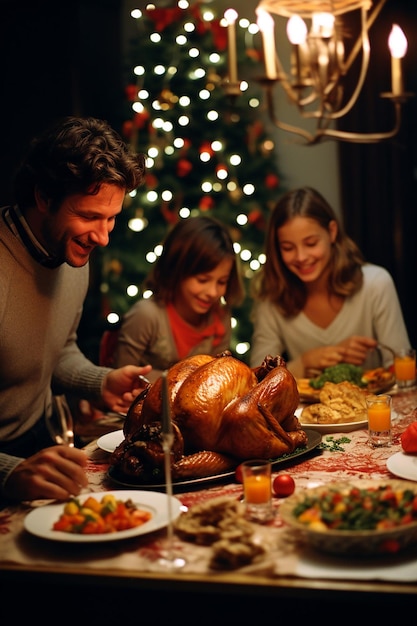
(397, 42)
(265, 21)
(296, 30)
(230, 16)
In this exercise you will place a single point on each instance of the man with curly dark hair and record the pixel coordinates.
(69, 189)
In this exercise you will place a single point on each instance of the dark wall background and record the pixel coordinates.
(56, 58)
(379, 181)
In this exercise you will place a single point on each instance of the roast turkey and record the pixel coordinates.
(225, 411)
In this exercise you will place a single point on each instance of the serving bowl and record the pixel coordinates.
(351, 542)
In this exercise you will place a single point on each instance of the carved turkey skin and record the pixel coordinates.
(199, 406)
(262, 424)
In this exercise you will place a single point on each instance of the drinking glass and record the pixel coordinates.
(60, 423)
(405, 368)
(257, 490)
(379, 419)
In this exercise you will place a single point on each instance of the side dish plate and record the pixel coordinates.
(309, 395)
(403, 465)
(110, 441)
(39, 521)
(327, 429)
(343, 427)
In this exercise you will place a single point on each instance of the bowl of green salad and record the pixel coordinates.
(355, 518)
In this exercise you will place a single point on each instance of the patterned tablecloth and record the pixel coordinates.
(286, 554)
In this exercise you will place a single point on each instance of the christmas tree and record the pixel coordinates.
(206, 145)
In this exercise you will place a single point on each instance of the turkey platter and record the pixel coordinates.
(222, 412)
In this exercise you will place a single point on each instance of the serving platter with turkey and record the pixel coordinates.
(222, 413)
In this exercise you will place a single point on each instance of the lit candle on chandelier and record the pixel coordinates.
(230, 16)
(266, 25)
(397, 43)
(297, 34)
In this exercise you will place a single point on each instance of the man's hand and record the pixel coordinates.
(53, 473)
(122, 385)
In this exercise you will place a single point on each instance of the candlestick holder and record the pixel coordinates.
(169, 559)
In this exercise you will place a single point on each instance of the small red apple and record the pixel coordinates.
(283, 485)
(238, 474)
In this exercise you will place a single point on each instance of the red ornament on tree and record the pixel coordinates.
(151, 181)
(206, 203)
(219, 35)
(164, 17)
(257, 218)
(127, 129)
(271, 181)
(140, 119)
(131, 92)
(221, 167)
(184, 167)
(201, 26)
(206, 147)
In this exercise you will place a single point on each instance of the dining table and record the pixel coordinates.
(115, 581)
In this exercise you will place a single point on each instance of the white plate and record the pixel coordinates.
(345, 427)
(39, 521)
(403, 465)
(110, 441)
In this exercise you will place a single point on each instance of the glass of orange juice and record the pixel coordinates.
(379, 419)
(405, 368)
(257, 490)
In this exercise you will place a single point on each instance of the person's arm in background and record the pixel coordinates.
(375, 316)
(115, 389)
(145, 337)
(269, 326)
(266, 338)
(137, 333)
(387, 316)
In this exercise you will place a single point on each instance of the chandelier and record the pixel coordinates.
(320, 60)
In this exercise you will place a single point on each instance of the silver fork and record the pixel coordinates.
(60, 423)
(382, 346)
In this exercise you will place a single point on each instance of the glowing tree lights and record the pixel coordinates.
(207, 147)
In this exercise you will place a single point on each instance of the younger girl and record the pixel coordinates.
(195, 283)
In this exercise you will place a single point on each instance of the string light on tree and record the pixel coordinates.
(205, 150)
